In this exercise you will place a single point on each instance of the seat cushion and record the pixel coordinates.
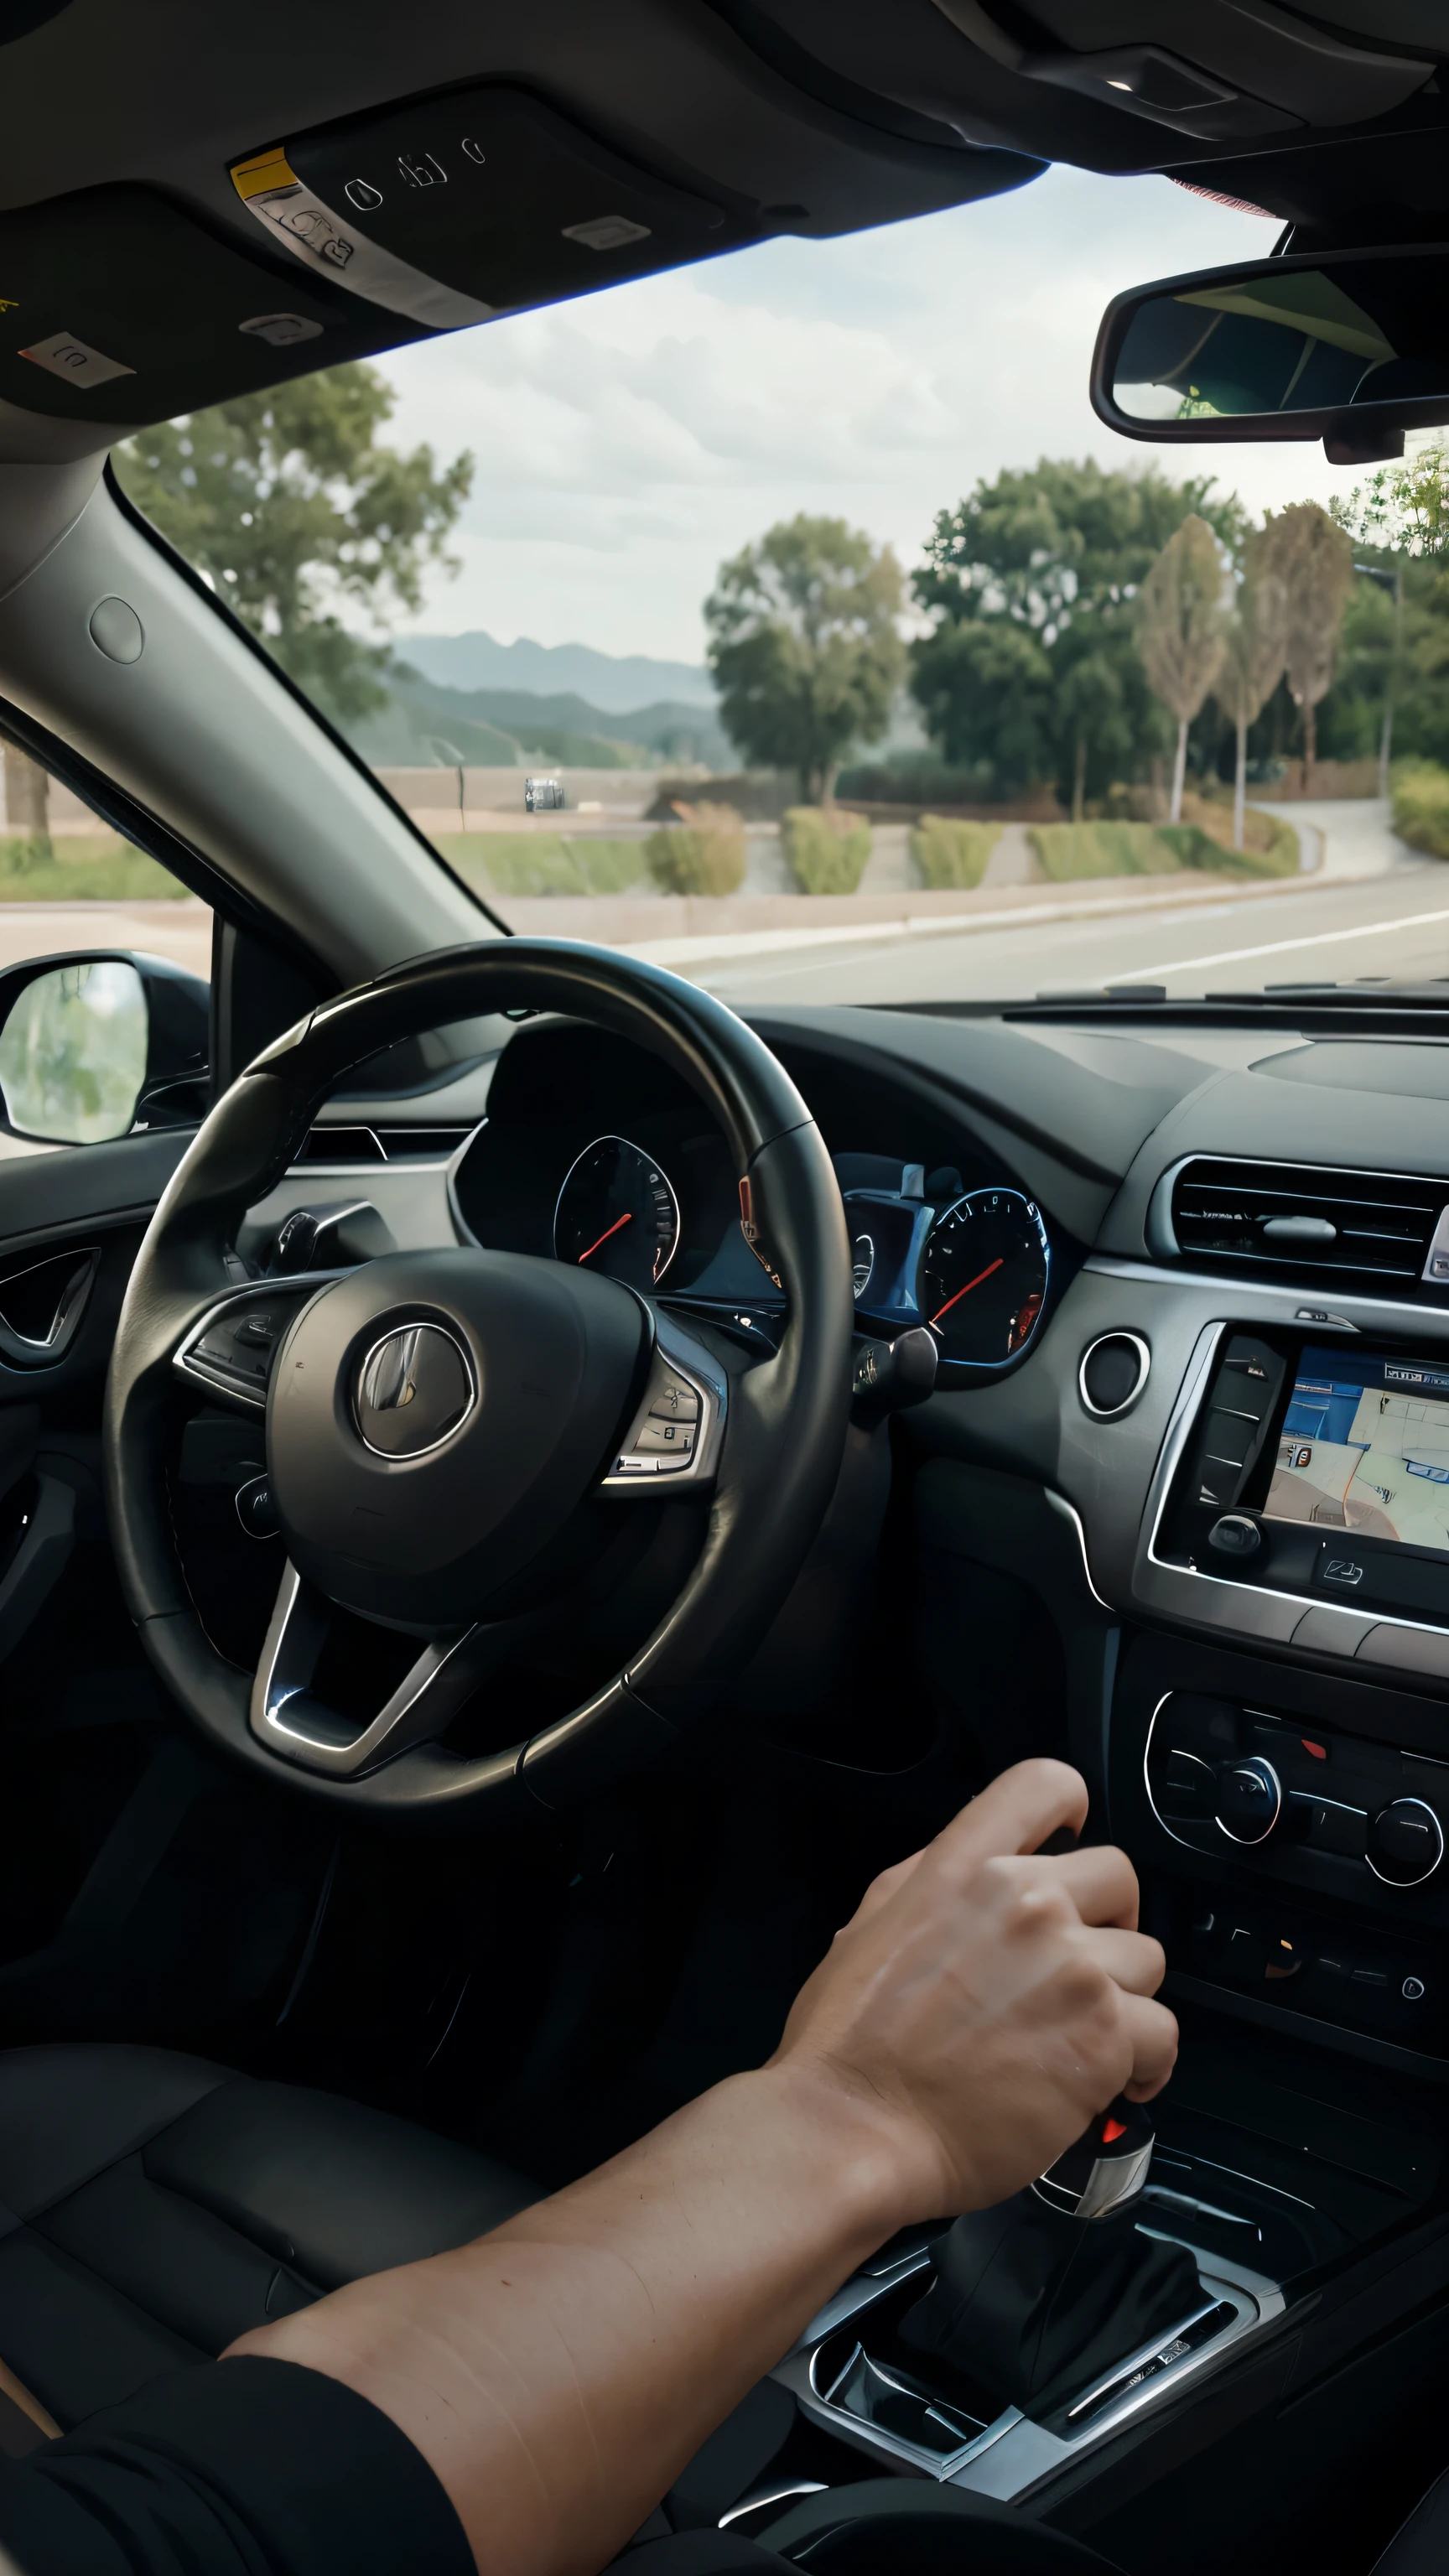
(156, 2206)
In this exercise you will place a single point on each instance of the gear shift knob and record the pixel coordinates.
(1038, 2297)
(1103, 2174)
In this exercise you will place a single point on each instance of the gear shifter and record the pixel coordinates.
(1040, 2296)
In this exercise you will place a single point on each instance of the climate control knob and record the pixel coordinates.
(1405, 1842)
(1250, 1799)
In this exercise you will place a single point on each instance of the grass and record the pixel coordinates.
(1070, 851)
(950, 853)
(529, 863)
(81, 867)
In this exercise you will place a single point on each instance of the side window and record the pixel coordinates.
(105, 964)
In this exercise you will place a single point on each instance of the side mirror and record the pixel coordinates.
(101, 1044)
(1352, 349)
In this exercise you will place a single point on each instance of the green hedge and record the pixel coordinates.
(1069, 851)
(952, 854)
(703, 853)
(825, 853)
(1421, 809)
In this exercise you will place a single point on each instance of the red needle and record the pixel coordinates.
(966, 1291)
(613, 1229)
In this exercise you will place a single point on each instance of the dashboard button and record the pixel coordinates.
(1235, 1535)
(1229, 1438)
(1250, 1799)
(1327, 1826)
(1405, 1843)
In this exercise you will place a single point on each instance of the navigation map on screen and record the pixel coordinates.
(1365, 1446)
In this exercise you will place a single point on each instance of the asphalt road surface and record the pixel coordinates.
(1393, 926)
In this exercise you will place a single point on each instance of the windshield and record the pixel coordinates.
(792, 620)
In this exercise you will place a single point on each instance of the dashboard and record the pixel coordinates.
(1188, 1276)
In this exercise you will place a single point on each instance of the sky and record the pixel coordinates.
(627, 443)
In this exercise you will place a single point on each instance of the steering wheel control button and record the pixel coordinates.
(674, 1439)
(675, 1430)
(1235, 1535)
(674, 1400)
(1405, 1843)
(1250, 1799)
(232, 1348)
(414, 1390)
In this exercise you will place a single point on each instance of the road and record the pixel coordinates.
(1393, 925)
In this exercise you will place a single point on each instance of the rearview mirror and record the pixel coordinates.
(101, 1045)
(1352, 349)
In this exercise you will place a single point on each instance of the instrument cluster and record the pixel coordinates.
(603, 1157)
(973, 1267)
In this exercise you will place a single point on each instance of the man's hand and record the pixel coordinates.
(985, 2002)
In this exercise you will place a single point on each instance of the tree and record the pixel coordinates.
(293, 508)
(1055, 554)
(1313, 559)
(1401, 513)
(1091, 710)
(1180, 630)
(804, 646)
(1254, 648)
(985, 690)
(1403, 507)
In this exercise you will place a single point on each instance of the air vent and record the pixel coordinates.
(357, 1145)
(1296, 1221)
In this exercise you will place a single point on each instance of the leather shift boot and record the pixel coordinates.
(1033, 2305)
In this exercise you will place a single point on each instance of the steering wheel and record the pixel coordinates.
(447, 1431)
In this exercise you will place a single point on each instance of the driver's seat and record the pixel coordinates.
(153, 2206)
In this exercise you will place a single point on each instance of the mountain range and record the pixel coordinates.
(614, 684)
(423, 724)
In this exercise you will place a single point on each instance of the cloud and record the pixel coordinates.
(627, 443)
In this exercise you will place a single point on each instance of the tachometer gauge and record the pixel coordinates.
(984, 1277)
(617, 1213)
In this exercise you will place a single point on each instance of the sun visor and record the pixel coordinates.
(480, 201)
(115, 307)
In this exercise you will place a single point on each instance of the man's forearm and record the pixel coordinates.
(560, 2372)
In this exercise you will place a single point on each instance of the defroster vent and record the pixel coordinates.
(1296, 1220)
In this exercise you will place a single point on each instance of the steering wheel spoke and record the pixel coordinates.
(229, 1349)
(673, 1444)
(289, 1718)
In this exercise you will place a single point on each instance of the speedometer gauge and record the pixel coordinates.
(984, 1277)
(617, 1213)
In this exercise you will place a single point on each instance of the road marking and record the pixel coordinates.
(1276, 947)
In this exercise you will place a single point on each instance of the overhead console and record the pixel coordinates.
(451, 209)
(116, 306)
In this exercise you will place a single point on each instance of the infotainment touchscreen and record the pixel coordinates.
(1365, 1446)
